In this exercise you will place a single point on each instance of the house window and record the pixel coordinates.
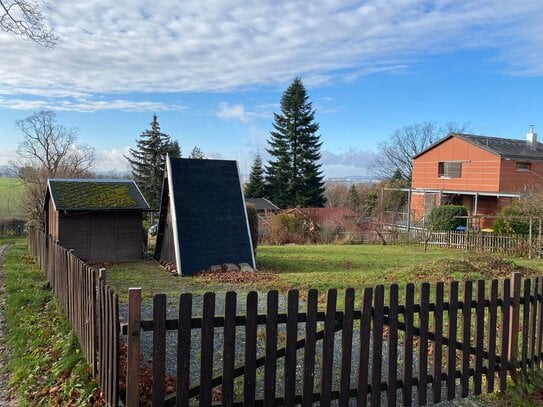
(524, 166)
(449, 169)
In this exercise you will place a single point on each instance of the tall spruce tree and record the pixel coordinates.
(293, 173)
(255, 186)
(147, 161)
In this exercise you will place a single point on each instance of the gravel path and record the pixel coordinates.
(5, 398)
(171, 343)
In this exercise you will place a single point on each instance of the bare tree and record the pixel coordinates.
(25, 19)
(48, 150)
(396, 153)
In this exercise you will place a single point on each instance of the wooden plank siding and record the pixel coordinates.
(99, 237)
(480, 168)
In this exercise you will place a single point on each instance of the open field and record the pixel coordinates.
(326, 266)
(11, 190)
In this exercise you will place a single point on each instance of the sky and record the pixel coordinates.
(214, 72)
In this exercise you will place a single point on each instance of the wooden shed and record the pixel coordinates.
(203, 221)
(100, 219)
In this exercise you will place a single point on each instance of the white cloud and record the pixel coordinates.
(228, 112)
(85, 105)
(164, 46)
(238, 112)
(112, 160)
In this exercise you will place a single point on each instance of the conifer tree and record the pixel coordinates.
(255, 186)
(197, 153)
(293, 174)
(353, 199)
(147, 161)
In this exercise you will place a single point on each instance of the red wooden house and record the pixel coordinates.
(482, 173)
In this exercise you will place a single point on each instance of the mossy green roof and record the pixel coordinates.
(91, 194)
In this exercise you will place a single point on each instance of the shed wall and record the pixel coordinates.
(97, 237)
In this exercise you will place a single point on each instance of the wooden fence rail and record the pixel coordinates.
(471, 240)
(90, 305)
(417, 347)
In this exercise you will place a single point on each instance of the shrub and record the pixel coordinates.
(446, 217)
(510, 221)
(252, 216)
(289, 228)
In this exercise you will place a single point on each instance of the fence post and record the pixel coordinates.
(133, 348)
(514, 323)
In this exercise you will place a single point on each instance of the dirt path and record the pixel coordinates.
(5, 399)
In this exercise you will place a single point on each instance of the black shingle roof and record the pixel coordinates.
(96, 194)
(506, 148)
(512, 149)
(211, 220)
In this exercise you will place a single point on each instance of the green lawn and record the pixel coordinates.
(327, 266)
(11, 190)
(44, 360)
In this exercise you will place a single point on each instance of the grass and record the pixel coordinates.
(45, 363)
(327, 266)
(11, 190)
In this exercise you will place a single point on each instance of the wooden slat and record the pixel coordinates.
(346, 346)
(451, 349)
(423, 344)
(466, 336)
(310, 347)
(539, 341)
(249, 383)
(533, 322)
(290, 352)
(525, 325)
(438, 343)
(133, 347)
(492, 335)
(392, 346)
(206, 362)
(505, 350)
(363, 363)
(328, 348)
(270, 368)
(479, 337)
(408, 345)
(376, 363)
(183, 350)
(159, 348)
(514, 321)
(229, 348)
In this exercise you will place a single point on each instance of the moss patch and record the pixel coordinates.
(93, 195)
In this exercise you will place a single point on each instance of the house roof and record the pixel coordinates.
(210, 225)
(512, 149)
(261, 204)
(96, 194)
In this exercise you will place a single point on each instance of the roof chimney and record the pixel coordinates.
(531, 137)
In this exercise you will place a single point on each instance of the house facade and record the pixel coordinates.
(100, 220)
(479, 172)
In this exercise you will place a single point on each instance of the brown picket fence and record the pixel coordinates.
(382, 345)
(417, 347)
(90, 305)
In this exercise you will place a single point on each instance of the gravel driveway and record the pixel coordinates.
(171, 343)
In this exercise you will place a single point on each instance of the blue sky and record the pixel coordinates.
(214, 72)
